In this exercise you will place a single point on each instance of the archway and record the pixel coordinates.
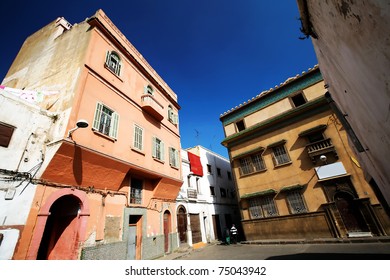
(350, 213)
(182, 224)
(60, 237)
(52, 220)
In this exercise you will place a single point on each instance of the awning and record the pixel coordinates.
(291, 188)
(278, 143)
(261, 193)
(195, 164)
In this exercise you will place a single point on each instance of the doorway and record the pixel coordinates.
(350, 213)
(167, 226)
(182, 224)
(134, 238)
(61, 237)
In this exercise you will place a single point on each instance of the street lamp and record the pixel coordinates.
(80, 124)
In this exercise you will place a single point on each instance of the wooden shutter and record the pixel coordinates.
(98, 114)
(114, 125)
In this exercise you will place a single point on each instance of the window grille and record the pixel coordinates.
(296, 202)
(280, 155)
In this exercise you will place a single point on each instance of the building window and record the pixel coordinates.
(138, 137)
(172, 116)
(209, 169)
(280, 155)
(113, 62)
(296, 202)
(149, 90)
(212, 190)
(173, 157)
(219, 172)
(6, 132)
(158, 149)
(136, 191)
(251, 164)
(298, 99)
(106, 121)
(223, 192)
(240, 125)
(261, 207)
(229, 175)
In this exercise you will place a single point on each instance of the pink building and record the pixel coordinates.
(107, 190)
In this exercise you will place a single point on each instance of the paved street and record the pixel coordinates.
(348, 251)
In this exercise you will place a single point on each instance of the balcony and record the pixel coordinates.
(320, 148)
(152, 106)
(192, 194)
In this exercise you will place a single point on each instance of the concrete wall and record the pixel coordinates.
(352, 48)
(110, 251)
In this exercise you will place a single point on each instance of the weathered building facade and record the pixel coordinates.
(207, 201)
(108, 190)
(351, 41)
(296, 175)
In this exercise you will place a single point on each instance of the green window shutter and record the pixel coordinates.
(98, 114)
(162, 149)
(171, 156)
(176, 157)
(114, 125)
(108, 54)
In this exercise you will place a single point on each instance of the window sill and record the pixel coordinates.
(137, 151)
(174, 167)
(283, 164)
(253, 173)
(104, 135)
(159, 160)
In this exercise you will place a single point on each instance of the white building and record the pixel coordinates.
(24, 133)
(206, 203)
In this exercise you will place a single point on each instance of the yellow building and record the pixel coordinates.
(296, 175)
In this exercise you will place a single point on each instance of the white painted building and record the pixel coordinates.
(207, 202)
(24, 132)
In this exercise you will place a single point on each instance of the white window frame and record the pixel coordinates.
(158, 149)
(102, 121)
(172, 116)
(173, 157)
(138, 142)
(113, 62)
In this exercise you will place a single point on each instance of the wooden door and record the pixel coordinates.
(195, 228)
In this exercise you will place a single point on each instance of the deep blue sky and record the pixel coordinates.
(215, 54)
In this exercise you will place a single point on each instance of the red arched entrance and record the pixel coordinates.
(167, 227)
(60, 226)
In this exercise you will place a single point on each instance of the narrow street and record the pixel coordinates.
(348, 251)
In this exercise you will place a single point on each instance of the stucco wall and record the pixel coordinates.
(354, 56)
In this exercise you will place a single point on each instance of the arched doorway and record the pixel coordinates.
(182, 224)
(167, 227)
(60, 237)
(350, 213)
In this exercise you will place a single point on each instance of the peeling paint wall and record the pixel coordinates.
(353, 51)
